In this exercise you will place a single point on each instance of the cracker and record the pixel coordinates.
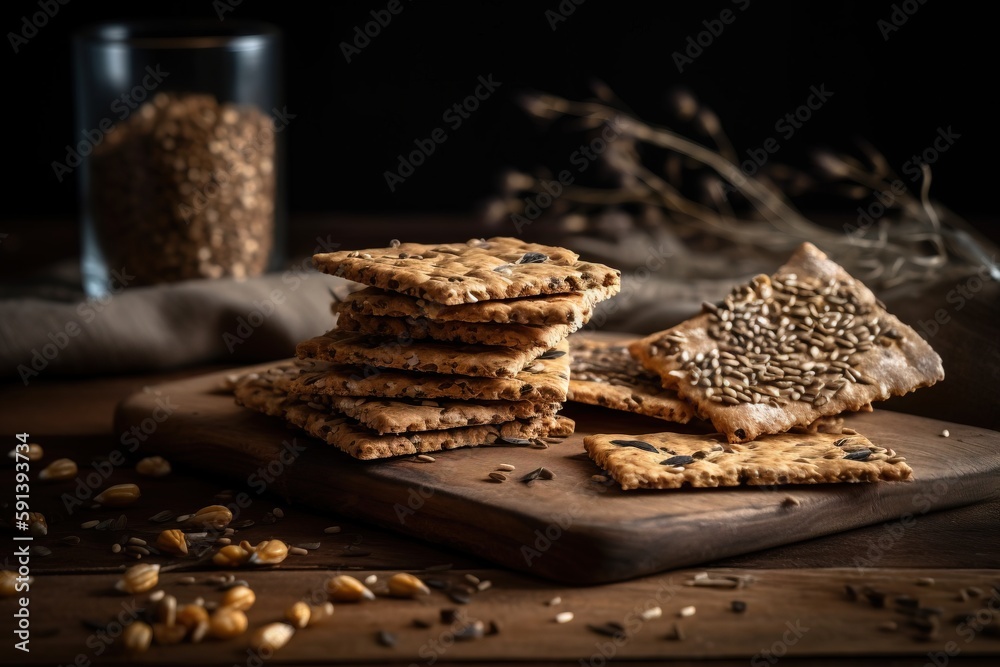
(258, 393)
(471, 333)
(344, 347)
(454, 273)
(546, 380)
(826, 345)
(708, 461)
(400, 416)
(574, 308)
(604, 373)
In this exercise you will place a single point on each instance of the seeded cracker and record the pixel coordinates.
(783, 351)
(574, 308)
(343, 347)
(471, 333)
(673, 460)
(546, 380)
(456, 273)
(384, 416)
(257, 393)
(604, 373)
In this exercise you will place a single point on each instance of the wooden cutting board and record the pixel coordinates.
(570, 528)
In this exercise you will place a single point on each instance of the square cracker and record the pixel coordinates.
(808, 342)
(481, 269)
(344, 347)
(602, 372)
(546, 380)
(574, 308)
(471, 333)
(257, 393)
(401, 416)
(707, 460)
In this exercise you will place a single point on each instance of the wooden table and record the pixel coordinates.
(797, 608)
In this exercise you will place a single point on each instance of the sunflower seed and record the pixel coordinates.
(499, 477)
(680, 460)
(638, 444)
(386, 639)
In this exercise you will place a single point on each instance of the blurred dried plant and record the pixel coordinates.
(657, 186)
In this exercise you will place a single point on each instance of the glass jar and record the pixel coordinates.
(180, 148)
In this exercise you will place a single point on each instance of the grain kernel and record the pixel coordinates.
(215, 517)
(119, 495)
(139, 578)
(137, 636)
(232, 555)
(190, 615)
(239, 597)
(298, 614)
(58, 470)
(172, 541)
(271, 637)
(227, 623)
(153, 466)
(405, 585)
(37, 525)
(345, 588)
(269, 552)
(166, 611)
(319, 612)
(8, 583)
(564, 617)
(34, 453)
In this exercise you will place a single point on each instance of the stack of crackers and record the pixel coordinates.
(447, 345)
(772, 367)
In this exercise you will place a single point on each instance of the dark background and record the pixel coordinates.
(354, 118)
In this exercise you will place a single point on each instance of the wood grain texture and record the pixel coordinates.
(570, 528)
(789, 614)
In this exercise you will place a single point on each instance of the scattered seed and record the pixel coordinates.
(554, 601)
(686, 611)
(186, 580)
(331, 530)
(676, 633)
(459, 596)
(651, 613)
(505, 467)
(888, 626)
(162, 517)
(70, 540)
(564, 617)
(739, 606)
(599, 478)
(638, 444)
(116, 548)
(677, 461)
(483, 585)
(298, 551)
(945, 433)
(449, 616)
(89, 524)
(925, 581)
(498, 477)
(790, 501)
(422, 623)
(386, 639)
(610, 629)
(425, 458)
(371, 580)
(278, 512)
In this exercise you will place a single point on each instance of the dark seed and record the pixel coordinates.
(907, 601)
(860, 455)
(552, 354)
(739, 606)
(449, 616)
(545, 473)
(459, 596)
(740, 433)
(308, 545)
(516, 441)
(852, 592)
(681, 460)
(162, 517)
(422, 623)
(532, 476)
(474, 630)
(612, 629)
(494, 629)
(438, 584)
(638, 444)
(39, 550)
(876, 598)
(71, 540)
(532, 258)
(385, 638)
